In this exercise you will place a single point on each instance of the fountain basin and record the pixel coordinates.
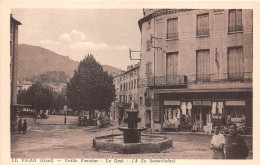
(132, 135)
(149, 144)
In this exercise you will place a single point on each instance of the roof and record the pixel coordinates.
(159, 13)
(14, 20)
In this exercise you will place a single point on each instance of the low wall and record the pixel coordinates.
(131, 148)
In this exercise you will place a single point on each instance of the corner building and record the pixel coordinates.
(196, 68)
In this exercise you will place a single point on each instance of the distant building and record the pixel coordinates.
(13, 62)
(196, 67)
(126, 85)
(24, 85)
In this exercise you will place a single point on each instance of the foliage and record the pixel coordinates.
(50, 77)
(90, 88)
(39, 96)
(59, 99)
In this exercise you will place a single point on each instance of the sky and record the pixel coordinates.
(107, 34)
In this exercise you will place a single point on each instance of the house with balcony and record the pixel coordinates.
(196, 68)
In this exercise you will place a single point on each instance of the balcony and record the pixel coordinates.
(235, 28)
(202, 32)
(169, 81)
(172, 36)
(221, 77)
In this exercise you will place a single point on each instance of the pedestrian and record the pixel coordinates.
(119, 120)
(236, 147)
(20, 126)
(24, 126)
(217, 143)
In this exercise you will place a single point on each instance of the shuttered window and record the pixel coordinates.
(235, 63)
(235, 20)
(172, 28)
(202, 24)
(203, 65)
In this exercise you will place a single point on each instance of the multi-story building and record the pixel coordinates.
(126, 85)
(196, 67)
(13, 62)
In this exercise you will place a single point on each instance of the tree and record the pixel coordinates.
(59, 99)
(39, 96)
(90, 87)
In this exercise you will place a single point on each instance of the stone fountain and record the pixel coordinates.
(132, 141)
(132, 134)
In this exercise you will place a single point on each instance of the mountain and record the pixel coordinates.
(35, 60)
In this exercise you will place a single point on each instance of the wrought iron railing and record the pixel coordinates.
(235, 28)
(172, 35)
(191, 79)
(167, 80)
(201, 32)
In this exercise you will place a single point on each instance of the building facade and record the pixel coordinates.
(13, 63)
(126, 85)
(196, 68)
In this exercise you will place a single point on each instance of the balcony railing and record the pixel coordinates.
(182, 81)
(235, 28)
(221, 77)
(169, 80)
(202, 32)
(172, 35)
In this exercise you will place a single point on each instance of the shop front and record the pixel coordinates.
(200, 111)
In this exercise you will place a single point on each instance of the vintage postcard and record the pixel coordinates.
(117, 82)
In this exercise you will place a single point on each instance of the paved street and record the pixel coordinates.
(51, 139)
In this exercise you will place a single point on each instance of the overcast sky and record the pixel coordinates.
(106, 33)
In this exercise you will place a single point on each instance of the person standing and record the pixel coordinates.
(20, 126)
(217, 143)
(24, 126)
(236, 147)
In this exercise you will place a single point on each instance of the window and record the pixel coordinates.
(148, 45)
(235, 20)
(172, 28)
(202, 24)
(203, 65)
(148, 68)
(149, 24)
(172, 63)
(120, 87)
(171, 67)
(235, 63)
(134, 84)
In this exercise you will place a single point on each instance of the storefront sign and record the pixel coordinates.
(196, 103)
(156, 111)
(235, 103)
(207, 103)
(172, 102)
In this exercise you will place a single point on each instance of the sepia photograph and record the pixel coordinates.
(153, 84)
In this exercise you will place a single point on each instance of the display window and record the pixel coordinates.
(172, 116)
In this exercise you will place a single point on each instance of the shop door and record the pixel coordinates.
(205, 115)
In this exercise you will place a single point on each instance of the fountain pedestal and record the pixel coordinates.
(132, 134)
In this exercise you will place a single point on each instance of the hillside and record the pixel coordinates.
(35, 60)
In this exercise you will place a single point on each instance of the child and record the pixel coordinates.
(217, 143)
